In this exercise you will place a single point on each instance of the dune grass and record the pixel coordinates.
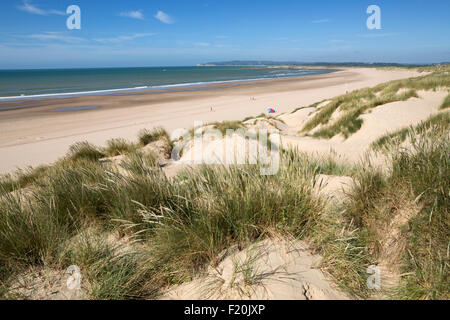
(222, 126)
(356, 103)
(171, 230)
(84, 150)
(118, 146)
(180, 232)
(437, 123)
(446, 103)
(349, 122)
(425, 171)
(416, 188)
(148, 136)
(264, 116)
(325, 164)
(314, 105)
(227, 125)
(236, 206)
(20, 179)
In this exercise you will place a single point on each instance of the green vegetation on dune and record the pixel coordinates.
(356, 103)
(85, 150)
(446, 103)
(227, 125)
(314, 105)
(264, 116)
(221, 126)
(397, 219)
(147, 136)
(20, 179)
(437, 123)
(177, 227)
(327, 165)
(410, 206)
(352, 107)
(118, 146)
(180, 226)
(181, 232)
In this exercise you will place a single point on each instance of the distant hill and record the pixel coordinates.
(296, 63)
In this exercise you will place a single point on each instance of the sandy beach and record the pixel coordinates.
(34, 133)
(224, 151)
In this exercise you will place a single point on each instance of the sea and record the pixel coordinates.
(42, 83)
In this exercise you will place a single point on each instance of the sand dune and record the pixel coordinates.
(381, 120)
(269, 270)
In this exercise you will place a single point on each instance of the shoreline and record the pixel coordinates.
(162, 94)
(38, 135)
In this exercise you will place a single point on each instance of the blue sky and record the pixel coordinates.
(33, 33)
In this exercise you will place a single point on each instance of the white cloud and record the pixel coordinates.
(49, 36)
(164, 17)
(321, 21)
(124, 38)
(28, 7)
(202, 44)
(137, 14)
(377, 35)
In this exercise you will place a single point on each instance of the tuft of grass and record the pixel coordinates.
(110, 270)
(446, 103)
(322, 116)
(314, 105)
(348, 124)
(345, 257)
(228, 125)
(221, 126)
(118, 146)
(148, 136)
(21, 178)
(437, 123)
(326, 164)
(84, 150)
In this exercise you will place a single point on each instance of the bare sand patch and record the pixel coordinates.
(272, 269)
